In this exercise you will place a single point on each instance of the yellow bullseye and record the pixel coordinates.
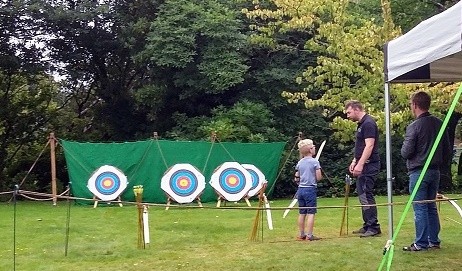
(232, 180)
(183, 182)
(107, 182)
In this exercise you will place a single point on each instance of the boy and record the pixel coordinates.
(308, 173)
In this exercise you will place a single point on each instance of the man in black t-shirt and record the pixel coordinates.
(365, 165)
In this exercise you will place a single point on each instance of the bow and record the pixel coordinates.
(453, 203)
(294, 200)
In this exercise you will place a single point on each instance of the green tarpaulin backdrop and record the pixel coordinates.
(145, 162)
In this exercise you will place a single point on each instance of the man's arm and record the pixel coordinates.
(367, 151)
(359, 165)
(408, 148)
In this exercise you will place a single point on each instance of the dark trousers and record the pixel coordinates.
(365, 188)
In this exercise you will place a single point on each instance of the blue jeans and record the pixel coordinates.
(427, 222)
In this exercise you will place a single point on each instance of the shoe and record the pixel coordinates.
(360, 231)
(413, 247)
(301, 238)
(434, 246)
(313, 238)
(369, 234)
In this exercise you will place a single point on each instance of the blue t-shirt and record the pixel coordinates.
(307, 167)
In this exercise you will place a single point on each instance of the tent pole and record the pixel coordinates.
(388, 158)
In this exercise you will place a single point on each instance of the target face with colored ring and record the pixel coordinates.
(107, 183)
(183, 183)
(231, 181)
(258, 179)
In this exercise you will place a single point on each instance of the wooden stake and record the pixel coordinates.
(247, 201)
(138, 191)
(256, 222)
(52, 141)
(95, 204)
(345, 210)
(168, 203)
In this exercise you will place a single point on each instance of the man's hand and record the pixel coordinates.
(352, 166)
(357, 170)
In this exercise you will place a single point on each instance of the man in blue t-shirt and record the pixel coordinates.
(365, 165)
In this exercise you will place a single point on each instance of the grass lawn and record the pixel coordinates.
(105, 238)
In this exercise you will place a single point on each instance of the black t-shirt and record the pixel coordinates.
(367, 128)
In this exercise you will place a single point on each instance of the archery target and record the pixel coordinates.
(107, 183)
(183, 183)
(258, 179)
(231, 181)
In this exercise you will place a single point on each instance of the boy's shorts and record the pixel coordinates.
(307, 198)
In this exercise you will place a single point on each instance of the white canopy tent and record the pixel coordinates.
(430, 52)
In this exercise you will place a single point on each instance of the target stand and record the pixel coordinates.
(107, 184)
(183, 183)
(258, 181)
(170, 200)
(96, 200)
(231, 182)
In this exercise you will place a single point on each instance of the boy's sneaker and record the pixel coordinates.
(312, 238)
(434, 246)
(301, 238)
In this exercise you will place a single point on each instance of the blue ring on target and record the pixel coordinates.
(232, 180)
(183, 183)
(255, 178)
(107, 183)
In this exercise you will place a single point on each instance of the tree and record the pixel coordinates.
(93, 45)
(26, 91)
(195, 50)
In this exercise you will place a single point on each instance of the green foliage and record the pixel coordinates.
(244, 122)
(203, 39)
(26, 106)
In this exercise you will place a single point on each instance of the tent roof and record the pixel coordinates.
(430, 52)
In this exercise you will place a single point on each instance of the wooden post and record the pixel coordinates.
(246, 198)
(95, 204)
(343, 230)
(52, 141)
(213, 137)
(138, 191)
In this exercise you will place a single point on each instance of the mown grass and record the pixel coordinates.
(105, 238)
